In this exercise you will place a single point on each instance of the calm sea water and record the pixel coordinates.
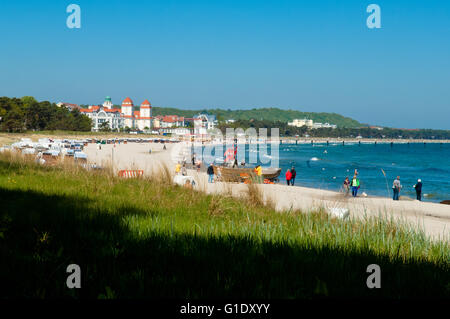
(430, 162)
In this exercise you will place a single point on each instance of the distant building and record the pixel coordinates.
(118, 119)
(179, 131)
(139, 120)
(323, 125)
(310, 124)
(99, 115)
(108, 104)
(172, 121)
(69, 106)
(301, 122)
(204, 122)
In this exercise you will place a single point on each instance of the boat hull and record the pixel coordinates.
(238, 175)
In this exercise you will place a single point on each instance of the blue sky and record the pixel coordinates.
(307, 55)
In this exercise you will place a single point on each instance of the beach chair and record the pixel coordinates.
(131, 173)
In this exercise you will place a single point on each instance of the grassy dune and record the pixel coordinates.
(148, 238)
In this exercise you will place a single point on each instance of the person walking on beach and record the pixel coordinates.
(346, 186)
(183, 170)
(235, 162)
(418, 188)
(178, 168)
(258, 171)
(355, 186)
(288, 176)
(193, 159)
(396, 186)
(210, 172)
(294, 174)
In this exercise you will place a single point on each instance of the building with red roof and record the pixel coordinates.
(128, 116)
(140, 120)
(103, 117)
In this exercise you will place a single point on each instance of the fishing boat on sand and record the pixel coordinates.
(237, 175)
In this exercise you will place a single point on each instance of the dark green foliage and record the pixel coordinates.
(263, 114)
(19, 115)
(365, 132)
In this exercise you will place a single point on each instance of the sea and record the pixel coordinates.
(325, 166)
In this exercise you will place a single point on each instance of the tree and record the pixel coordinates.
(13, 121)
(104, 127)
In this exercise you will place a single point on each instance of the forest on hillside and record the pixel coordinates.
(264, 114)
(365, 132)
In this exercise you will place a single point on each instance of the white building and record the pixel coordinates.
(118, 119)
(179, 131)
(100, 115)
(301, 122)
(324, 125)
(141, 119)
(203, 123)
(168, 121)
(108, 104)
(310, 124)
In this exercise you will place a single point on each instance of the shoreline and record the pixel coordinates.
(15, 137)
(433, 218)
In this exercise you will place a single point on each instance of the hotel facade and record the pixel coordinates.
(126, 116)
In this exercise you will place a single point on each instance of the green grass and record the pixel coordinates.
(147, 238)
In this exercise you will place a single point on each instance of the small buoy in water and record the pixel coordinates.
(323, 169)
(325, 152)
(334, 177)
(314, 159)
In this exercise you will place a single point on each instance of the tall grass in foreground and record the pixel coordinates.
(148, 238)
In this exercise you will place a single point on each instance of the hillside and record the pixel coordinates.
(268, 114)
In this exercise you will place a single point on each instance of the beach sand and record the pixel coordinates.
(433, 218)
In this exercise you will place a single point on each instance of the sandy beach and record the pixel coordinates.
(433, 218)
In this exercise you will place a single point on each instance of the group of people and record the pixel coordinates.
(354, 185)
(397, 186)
(290, 176)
